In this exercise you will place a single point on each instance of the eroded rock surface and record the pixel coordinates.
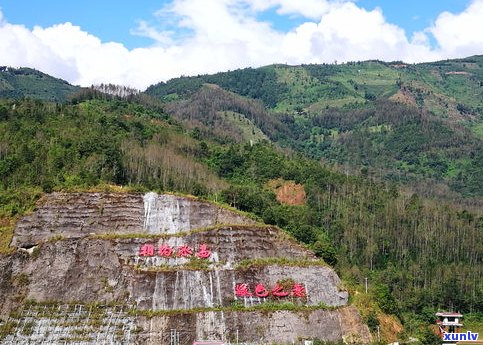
(279, 327)
(80, 214)
(106, 248)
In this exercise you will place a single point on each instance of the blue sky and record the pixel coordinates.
(138, 43)
(106, 19)
(414, 15)
(114, 20)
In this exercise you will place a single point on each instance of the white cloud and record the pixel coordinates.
(219, 35)
(220, 22)
(95, 61)
(313, 9)
(461, 34)
(347, 33)
(145, 30)
(19, 47)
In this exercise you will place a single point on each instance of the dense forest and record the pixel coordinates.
(27, 82)
(392, 190)
(412, 124)
(362, 226)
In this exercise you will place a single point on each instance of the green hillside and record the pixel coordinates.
(416, 124)
(362, 226)
(216, 113)
(27, 82)
(309, 88)
(415, 252)
(389, 156)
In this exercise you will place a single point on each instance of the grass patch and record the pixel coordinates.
(335, 103)
(100, 188)
(473, 322)
(98, 309)
(478, 130)
(6, 234)
(249, 131)
(197, 264)
(194, 264)
(271, 306)
(7, 328)
(262, 262)
(20, 280)
(390, 328)
(114, 236)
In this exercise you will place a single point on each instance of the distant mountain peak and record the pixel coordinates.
(27, 82)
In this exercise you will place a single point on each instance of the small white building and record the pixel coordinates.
(449, 323)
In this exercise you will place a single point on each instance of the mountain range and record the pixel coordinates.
(416, 124)
(375, 166)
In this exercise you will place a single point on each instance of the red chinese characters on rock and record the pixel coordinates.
(203, 252)
(277, 291)
(146, 250)
(261, 291)
(298, 290)
(166, 251)
(243, 290)
(185, 250)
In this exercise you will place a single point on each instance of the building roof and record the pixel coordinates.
(451, 314)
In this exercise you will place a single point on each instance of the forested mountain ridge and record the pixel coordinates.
(415, 252)
(232, 136)
(445, 87)
(27, 82)
(415, 124)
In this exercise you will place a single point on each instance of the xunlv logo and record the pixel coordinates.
(468, 336)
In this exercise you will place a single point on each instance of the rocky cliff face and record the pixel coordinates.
(276, 327)
(80, 214)
(167, 266)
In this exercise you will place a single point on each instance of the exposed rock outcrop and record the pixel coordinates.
(125, 250)
(279, 327)
(80, 214)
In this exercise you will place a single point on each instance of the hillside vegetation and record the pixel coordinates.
(357, 222)
(365, 141)
(415, 124)
(27, 82)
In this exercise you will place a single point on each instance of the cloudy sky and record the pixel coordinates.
(138, 43)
